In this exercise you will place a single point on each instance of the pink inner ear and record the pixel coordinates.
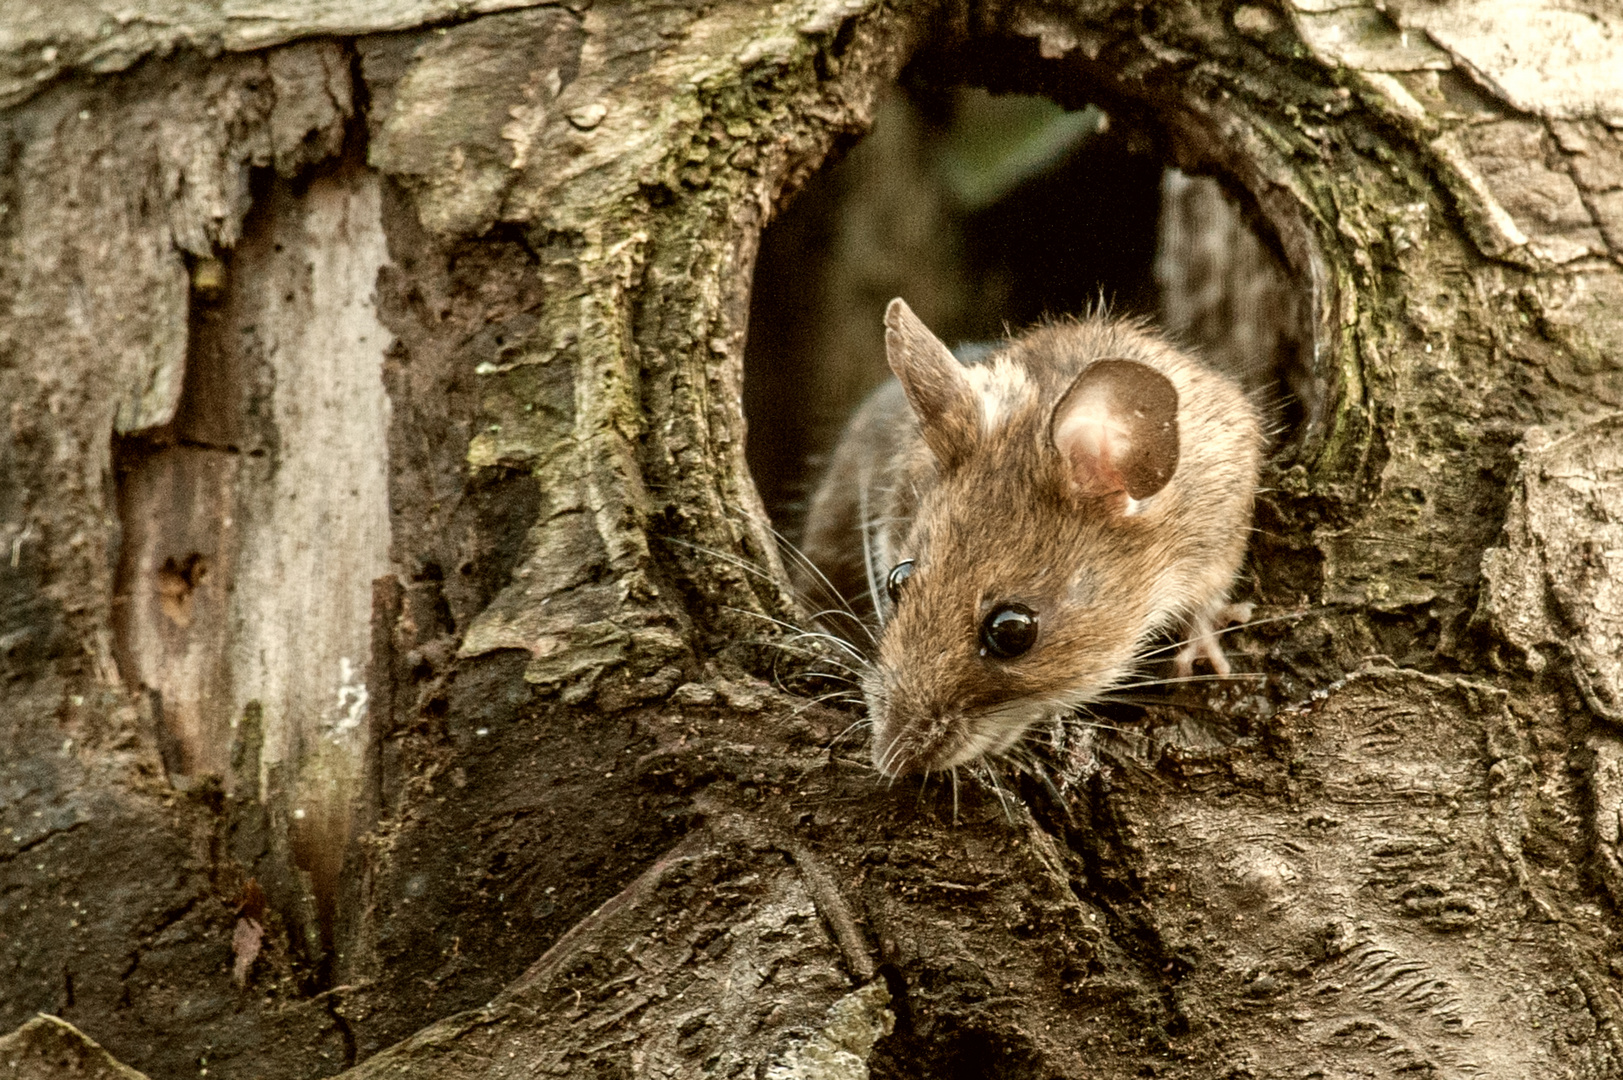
(1117, 425)
(1091, 441)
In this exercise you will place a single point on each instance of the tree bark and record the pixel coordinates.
(382, 583)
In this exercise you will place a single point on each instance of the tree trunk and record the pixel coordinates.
(381, 576)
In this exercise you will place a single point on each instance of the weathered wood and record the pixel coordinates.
(256, 522)
(48, 1047)
(1394, 853)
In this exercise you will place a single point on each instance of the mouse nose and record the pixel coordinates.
(911, 740)
(896, 753)
(916, 702)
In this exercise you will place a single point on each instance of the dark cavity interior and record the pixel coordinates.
(987, 213)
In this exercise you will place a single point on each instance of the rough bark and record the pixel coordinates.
(379, 568)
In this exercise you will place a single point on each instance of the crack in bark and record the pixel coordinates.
(23, 847)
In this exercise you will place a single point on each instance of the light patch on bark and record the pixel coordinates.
(1606, 780)
(1366, 39)
(41, 40)
(325, 528)
(504, 74)
(250, 578)
(156, 365)
(840, 1051)
(1553, 59)
(1557, 583)
(1549, 59)
(1519, 166)
(48, 1047)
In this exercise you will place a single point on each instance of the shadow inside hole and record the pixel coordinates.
(989, 213)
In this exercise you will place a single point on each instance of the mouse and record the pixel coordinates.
(1024, 525)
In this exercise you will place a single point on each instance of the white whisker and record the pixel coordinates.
(838, 695)
(1238, 676)
(820, 656)
(815, 635)
(989, 775)
(867, 548)
(841, 606)
(1230, 629)
(854, 725)
(842, 610)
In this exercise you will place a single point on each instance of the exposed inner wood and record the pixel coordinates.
(256, 522)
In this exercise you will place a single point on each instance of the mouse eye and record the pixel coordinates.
(1008, 631)
(893, 581)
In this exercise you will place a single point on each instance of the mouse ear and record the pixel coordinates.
(1117, 426)
(946, 405)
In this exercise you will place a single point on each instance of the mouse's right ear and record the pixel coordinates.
(947, 407)
(1117, 427)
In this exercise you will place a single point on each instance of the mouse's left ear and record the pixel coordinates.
(936, 386)
(1117, 427)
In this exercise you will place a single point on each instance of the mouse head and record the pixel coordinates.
(1027, 575)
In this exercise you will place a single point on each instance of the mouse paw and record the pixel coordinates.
(1202, 644)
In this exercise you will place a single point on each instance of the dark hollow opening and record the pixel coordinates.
(988, 213)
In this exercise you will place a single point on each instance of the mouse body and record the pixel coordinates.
(1025, 525)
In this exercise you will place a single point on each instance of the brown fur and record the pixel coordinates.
(992, 512)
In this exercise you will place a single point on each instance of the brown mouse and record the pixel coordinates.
(1025, 525)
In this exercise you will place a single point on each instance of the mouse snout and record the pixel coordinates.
(913, 744)
(914, 731)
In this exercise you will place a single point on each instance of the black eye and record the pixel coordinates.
(1008, 631)
(898, 574)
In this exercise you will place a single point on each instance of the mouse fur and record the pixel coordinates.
(1088, 471)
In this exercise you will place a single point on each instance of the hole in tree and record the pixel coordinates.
(989, 212)
(178, 579)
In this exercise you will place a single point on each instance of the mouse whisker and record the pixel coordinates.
(924, 789)
(867, 525)
(1112, 698)
(805, 653)
(824, 676)
(847, 674)
(1047, 780)
(891, 754)
(1080, 722)
(821, 616)
(853, 726)
(802, 680)
(841, 608)
(897, 749)
(988, 775)
(845, 696)
(1025, 760)
(814, 635)
(1230, 629)
(1238, 676)
(727, 557)
(1018, 758)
